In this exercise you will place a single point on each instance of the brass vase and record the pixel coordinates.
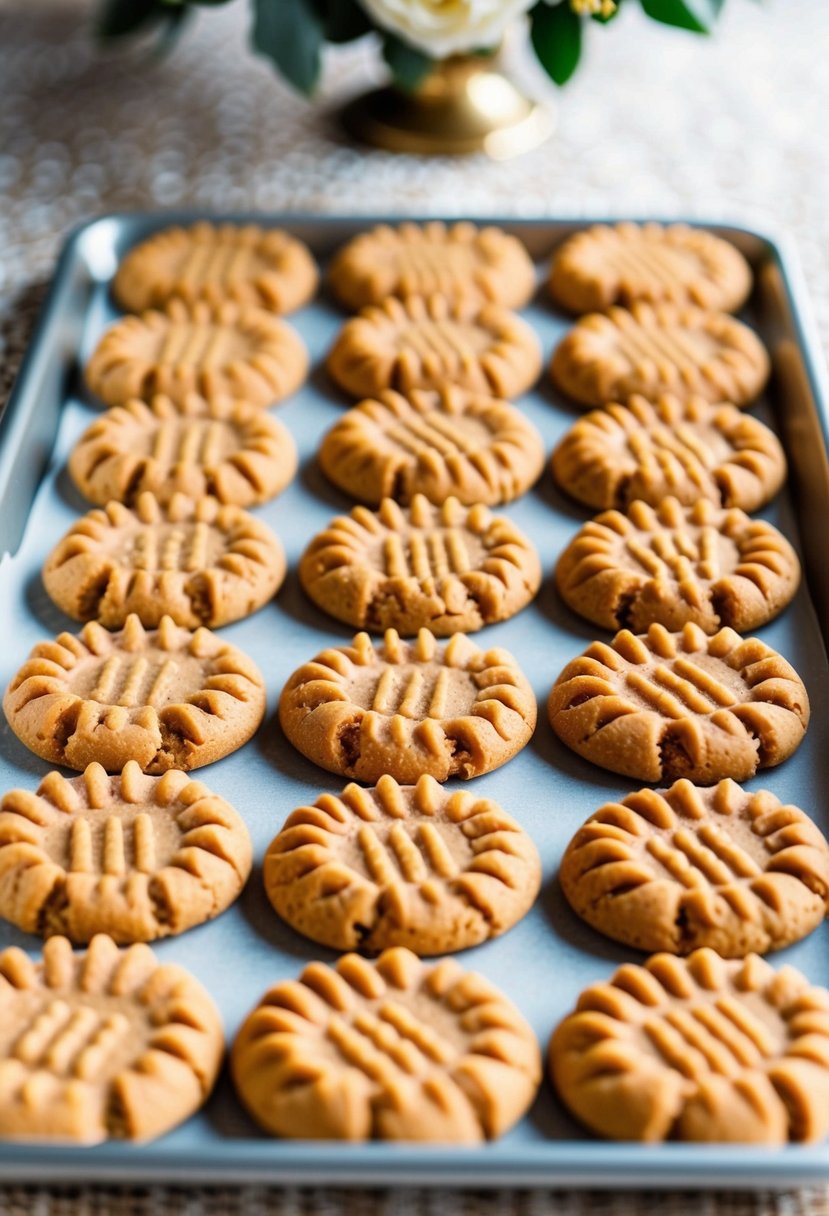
(464, 105)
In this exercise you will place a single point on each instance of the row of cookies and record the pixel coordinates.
(649, 1054)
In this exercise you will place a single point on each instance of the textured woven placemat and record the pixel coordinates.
(655, 124)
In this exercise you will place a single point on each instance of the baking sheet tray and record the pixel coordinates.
(544, 961)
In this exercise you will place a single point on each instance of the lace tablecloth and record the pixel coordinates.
(658, 122)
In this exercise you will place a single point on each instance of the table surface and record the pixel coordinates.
(657, 122)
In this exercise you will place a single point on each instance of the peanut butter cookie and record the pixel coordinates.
(626, 263)
(698, 1049)
(660, 348)
(228, 449)
(167, 699)
(387, 1050)
(408, 709)
(414, 866)
(478, 449)
(434, 258)
(666, 705)
(104, 1044)
(429, 341)
(688, 450)
(219, 350)
(199, 562)
(263, 267)
(672, 564)
(685, 867)
(449, 568)
(133, 856)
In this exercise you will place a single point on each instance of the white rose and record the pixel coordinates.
(446, 27)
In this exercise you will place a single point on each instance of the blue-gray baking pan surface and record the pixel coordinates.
(546, 960)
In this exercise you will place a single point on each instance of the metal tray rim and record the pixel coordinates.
(577, 1163)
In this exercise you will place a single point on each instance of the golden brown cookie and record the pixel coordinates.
(411, 865)
(104, 1044)
(133, 856)
(660, 348)
(625, 263)
(220, 350)
(651, 450)
(167, 699)
(200, 563)
(263, 267)
(665, 705)
(388, 1050)
(233, 451)
(408, 709)
(698, 1049)
(449, 568)
(430, 341)
(440, 444)
(685, 867)
(673, 564)
(434, 258)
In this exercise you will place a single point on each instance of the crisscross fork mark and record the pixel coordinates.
(424, 555)
(218, 263)
(132, 680)
(681, 689)
(192, 344)
(660, 445)
(414, 856)
(405, 697)
(113, 846)
(707, 857)
(182, 548)
(66, 1039)
(389, 1045)
(644, 259)
(721, 1037)
(422, 436)
(448, 342)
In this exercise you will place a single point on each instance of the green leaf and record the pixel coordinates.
(290, 33)
(409, 67)
(696, 15)
(343, 20)
(556, 39)
(117, 18)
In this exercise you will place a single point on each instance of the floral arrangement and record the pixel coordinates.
(414, 33)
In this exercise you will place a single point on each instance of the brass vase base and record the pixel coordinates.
(464, 105)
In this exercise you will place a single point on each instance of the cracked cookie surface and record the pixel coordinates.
(218, 351)
(429, 341)
(653, 450)
(662, 705)
(673, 564)
(650, 349)
(454, 260)
(133, 856)
(439, 444)
(227, 449)
(408, 708)
(448, 568)
(416, 866)
(264, 267)
(698, 1049)
(389, 1050)
(103, 1044)
(624, 263)
(166, 699)
(681, 868)
(199, 562)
